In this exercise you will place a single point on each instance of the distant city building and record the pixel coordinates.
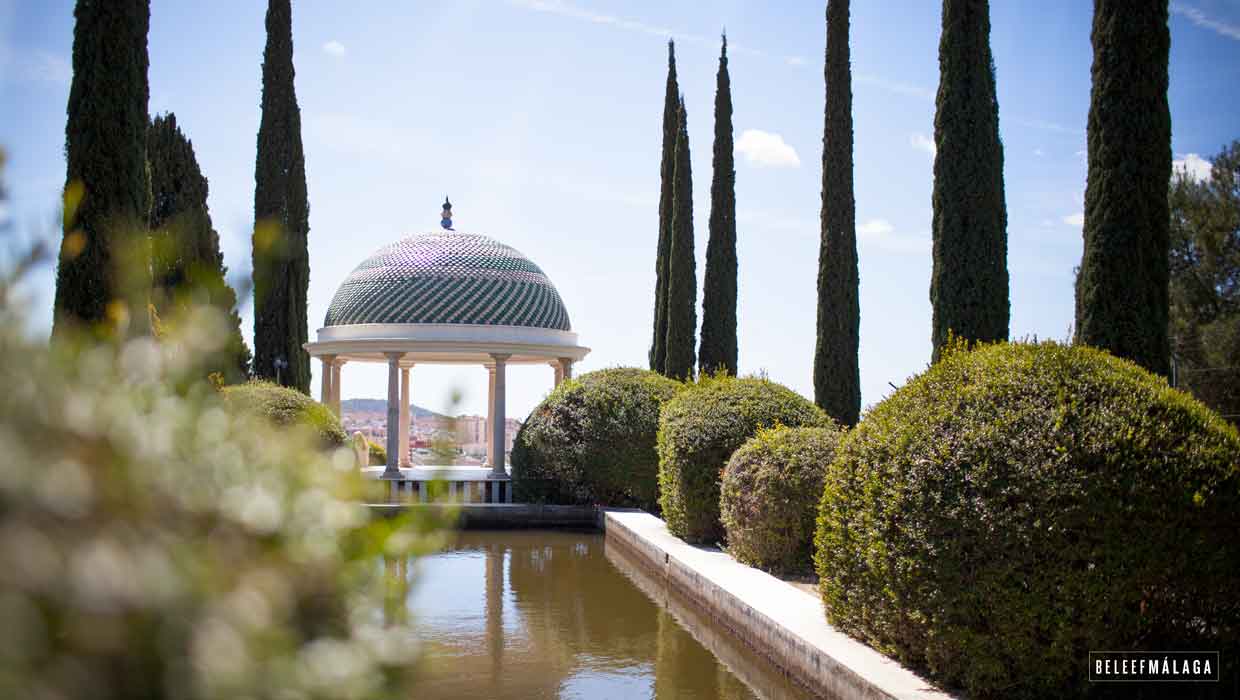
(467, 434)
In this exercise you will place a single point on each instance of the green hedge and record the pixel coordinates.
(593, 441)
(769, 497)
(699, 430)
(287, 407)
(1017, 506)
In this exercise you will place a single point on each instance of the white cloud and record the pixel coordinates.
(1076, 220)
(766, 149)
(335, 48)
(36, 66)
(362, 136)
(1039, 152)
(1043, 125)
(562, 8)
(1192, 165)
(875, 228)
(776, 220)
(879, 233)
(1201, 19)
(895, 86)
(923, 143)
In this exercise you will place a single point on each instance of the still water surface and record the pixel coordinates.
(559, 615)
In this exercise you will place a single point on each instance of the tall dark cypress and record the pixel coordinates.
(1121, 290)
(969, 283)
(187, 264)
(103, 277)
(718, 349)
(281, 216)
(837, 375)
(682, 270)
(667, 173)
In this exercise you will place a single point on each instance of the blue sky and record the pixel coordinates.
(541, 119)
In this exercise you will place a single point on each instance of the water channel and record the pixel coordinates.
(542, 614)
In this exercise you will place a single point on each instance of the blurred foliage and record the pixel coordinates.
(700, 428)
(1205, 283)
(156, 541)
(592, 441)
(769, 497)
(286, 407)
(1014, 507)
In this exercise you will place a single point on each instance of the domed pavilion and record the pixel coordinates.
(446, 297)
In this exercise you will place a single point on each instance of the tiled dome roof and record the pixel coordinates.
(448, 277)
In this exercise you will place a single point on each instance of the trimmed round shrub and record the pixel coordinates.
(769, 497)
(593, 441)
(699, 430)
(1017, 506)
(286, 407)
(377, 453)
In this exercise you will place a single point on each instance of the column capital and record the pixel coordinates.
(499, 357)
(394, 356)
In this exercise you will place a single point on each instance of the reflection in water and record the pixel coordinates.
(550, 615)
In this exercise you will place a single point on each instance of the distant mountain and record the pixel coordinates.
(380, 406)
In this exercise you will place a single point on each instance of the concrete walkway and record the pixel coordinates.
(775, 618)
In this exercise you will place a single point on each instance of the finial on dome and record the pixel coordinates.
(446, 221)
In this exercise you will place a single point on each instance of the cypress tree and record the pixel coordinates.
(682, 268)
(281, 216)
(667, 168)
(718, 348)
(837, 376)
(103, 277)
(187, 264)
(1121, 289)
(969, 282)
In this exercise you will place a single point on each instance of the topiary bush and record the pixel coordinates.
(699, 430)
(593, 441)
(1016, 506)
(377, 453)
(769, 497)
(286, 407)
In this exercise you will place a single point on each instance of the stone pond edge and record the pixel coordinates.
(777, 620)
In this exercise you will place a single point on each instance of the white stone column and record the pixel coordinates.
(393, 415)
(336, 365)
(559, 372)
(498, 421)
(404, 416)
(325, 386)
(489, 429)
